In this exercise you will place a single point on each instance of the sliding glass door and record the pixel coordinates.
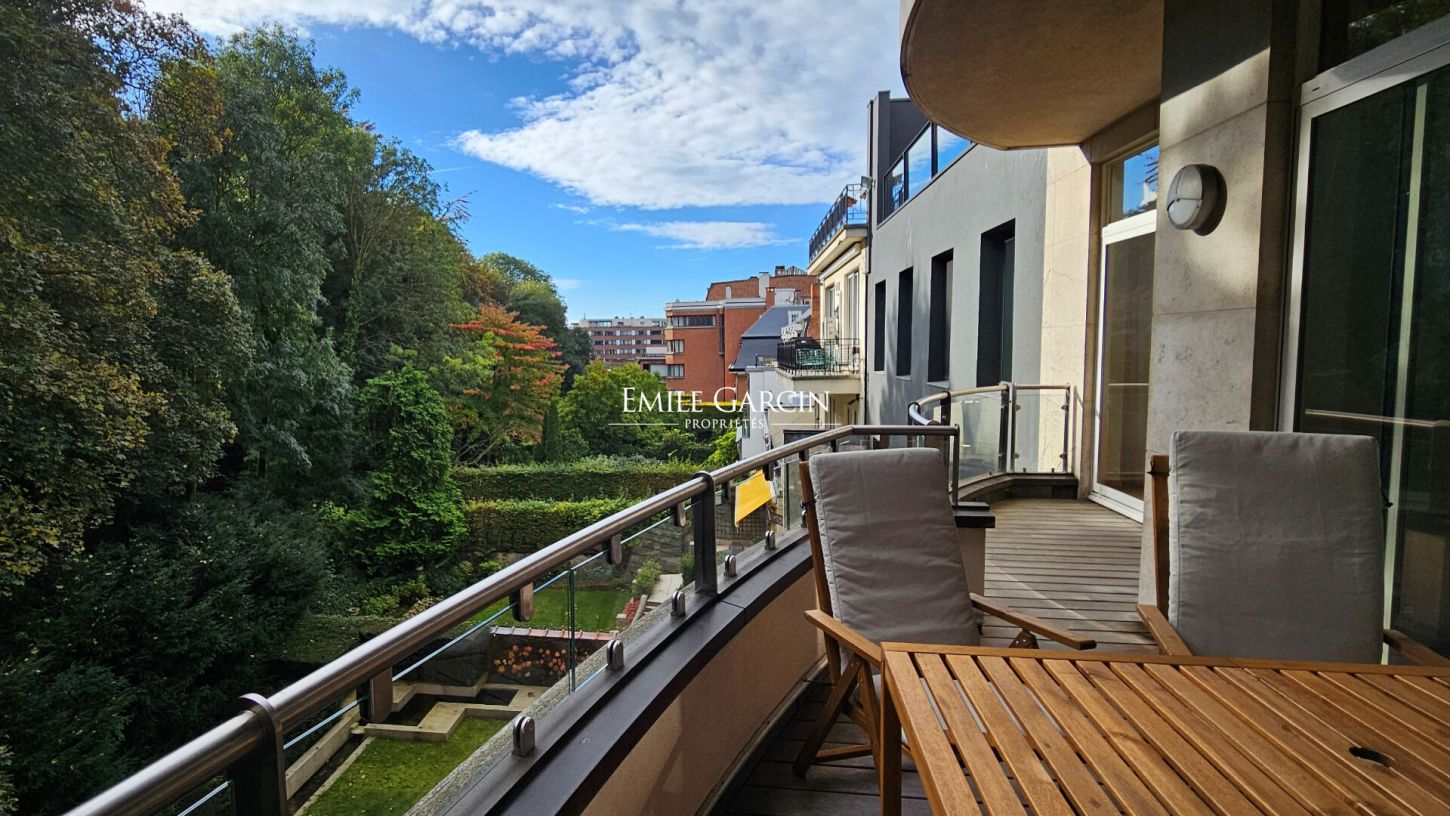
(1373, 318)
(1125, 329)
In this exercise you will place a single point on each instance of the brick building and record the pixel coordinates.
(703, 336)
(617, 340)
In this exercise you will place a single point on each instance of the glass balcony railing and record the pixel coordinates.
(1005, 428)
(848, 210)
(498, 662)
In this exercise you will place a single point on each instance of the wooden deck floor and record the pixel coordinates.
(1072, 562)
(1068, 561)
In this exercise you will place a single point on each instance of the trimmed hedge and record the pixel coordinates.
(526, 525)
(572, 481)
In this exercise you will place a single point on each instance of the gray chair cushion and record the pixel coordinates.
(1276, 545)
(892, 563)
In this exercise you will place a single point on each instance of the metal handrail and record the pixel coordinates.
(848, 210)
(242, 739)
(914, 411)
(917, 413)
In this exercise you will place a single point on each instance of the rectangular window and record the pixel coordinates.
(938, 350)
(675, 370)
(878, 328)
(896, 187)
(1132, 185)
(903, 323)
(849, 325)
(677, 346)
(948, 147)
(692, 321)
(918, 163)
(994, 305)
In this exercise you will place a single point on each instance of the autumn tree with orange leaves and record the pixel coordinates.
(498, 384)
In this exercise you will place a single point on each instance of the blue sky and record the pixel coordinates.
(634, 149)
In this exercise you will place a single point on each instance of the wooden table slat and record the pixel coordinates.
(1245, 769)
(1436, 694)
(1320, 750)
(1041, 790)
(1358, 731)
(1391, 706)
(1057, 733)
(934, 756)
(998, 795)
(1389, 780)
(1119, 779)
(1159, 754)
(1080, 785)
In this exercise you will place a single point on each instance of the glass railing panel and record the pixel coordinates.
(1040, 430)
(983, 440)
(212, 799)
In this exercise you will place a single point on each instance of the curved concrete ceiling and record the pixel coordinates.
(1006, 73)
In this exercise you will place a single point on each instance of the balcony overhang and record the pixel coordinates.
(1008, 74)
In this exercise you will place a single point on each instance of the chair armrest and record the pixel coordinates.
(1168, 639)
(1413, 650)
(854, 641)
(1031, 624)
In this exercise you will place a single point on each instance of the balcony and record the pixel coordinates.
(808, 356)
(848, 210)
(642, 693)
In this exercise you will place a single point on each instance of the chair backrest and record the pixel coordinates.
(1275, 545)
(885, 545)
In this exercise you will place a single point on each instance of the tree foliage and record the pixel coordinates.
(225, 305)
(269, 189)
(499, 384)
(413, 513)
(99, 392)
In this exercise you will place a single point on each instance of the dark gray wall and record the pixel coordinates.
(983, 190)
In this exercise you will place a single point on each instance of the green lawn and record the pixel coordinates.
(596, 609)
(390, 776)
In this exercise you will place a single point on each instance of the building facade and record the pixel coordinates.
(1306, 294)
(702, 337)
(617, 340)
(954, 291)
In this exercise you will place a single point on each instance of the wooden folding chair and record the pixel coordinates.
(899, 488)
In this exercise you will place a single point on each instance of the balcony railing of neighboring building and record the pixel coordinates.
(808, 355)
(245, 765)
(1005, 428)
(848, 210)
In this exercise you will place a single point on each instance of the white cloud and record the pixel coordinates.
(726, 102)
(708, 234)
(567, 284)
(573, 208)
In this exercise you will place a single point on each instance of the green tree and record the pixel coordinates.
(147, 638)
(99, 394)
(595, 409)
(270, 190)
(397, 268)
(413, 514)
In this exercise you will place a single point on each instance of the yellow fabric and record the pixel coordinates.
(751, 495)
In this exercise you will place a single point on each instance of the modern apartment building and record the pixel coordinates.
(618, 340)
(703, 336)
(954, 290)
(1296, 281)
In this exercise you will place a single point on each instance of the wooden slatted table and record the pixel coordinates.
(1015, 731)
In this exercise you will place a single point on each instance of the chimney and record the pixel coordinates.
(764, 284)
